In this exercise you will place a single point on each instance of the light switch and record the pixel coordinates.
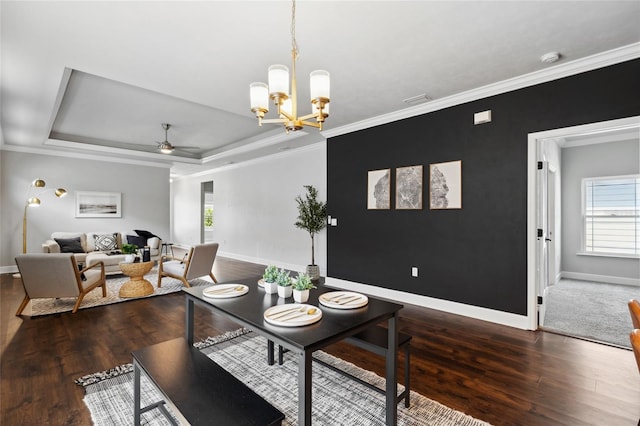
(414, 271)
(334, 221)
(328, 220)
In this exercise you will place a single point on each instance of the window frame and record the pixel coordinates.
(583, 232)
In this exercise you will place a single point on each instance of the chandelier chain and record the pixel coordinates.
(294, 42)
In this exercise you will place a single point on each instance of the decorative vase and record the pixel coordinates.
(300, 296)
(270, 287)
(129, 258)
(314, 272)
(284, 291)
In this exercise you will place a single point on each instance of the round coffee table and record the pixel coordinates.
(137, 286)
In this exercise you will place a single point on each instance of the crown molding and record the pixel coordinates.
(600, 60)
(83, 156)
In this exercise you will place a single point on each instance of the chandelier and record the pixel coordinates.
(287, 104)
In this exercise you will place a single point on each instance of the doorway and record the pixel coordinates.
(544, 193)
(206, 209)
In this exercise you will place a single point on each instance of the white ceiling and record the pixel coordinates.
(101, 77)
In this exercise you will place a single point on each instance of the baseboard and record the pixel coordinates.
(600, 278)
(475, 312)
(262, 261)
(8, 269)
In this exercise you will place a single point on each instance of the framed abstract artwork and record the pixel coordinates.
(445, 185)
(409, 188)
(98, 204)
(379, 189)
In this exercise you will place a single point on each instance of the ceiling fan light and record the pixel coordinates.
(166, 148)
(278, 81)
(320, 84)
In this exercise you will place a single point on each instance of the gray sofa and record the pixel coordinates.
(91, 247)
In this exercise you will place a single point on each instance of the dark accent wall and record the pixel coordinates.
(476, 255)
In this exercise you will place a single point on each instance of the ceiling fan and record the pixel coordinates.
(167, 147)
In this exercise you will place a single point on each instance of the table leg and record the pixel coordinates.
(391, 371)
(270, 358)
(189, 320)
(304, 389)
(136, 393)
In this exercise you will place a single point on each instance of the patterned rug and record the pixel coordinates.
(337, 400)
(114, 282)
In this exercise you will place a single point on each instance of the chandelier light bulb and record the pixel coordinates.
(34, 202)
(61, 192)
(38, 183)
(259, 94)
(279, 81)
(319, 85)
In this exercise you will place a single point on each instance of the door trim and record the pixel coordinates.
(601, 127)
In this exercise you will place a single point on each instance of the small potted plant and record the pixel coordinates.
(269, 278)
(284, 284)
(301, 287)
(130, 250)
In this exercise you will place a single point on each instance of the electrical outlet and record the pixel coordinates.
(414, 271)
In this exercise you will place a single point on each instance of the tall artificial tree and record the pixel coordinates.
(311, 216)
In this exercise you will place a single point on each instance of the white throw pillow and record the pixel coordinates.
(105, 242)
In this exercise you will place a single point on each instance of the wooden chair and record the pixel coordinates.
(56, 275)
(634, 310)
(634, 337)
(198, 263)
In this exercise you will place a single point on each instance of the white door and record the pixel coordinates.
(543, 237)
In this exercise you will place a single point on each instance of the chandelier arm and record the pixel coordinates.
(312, 124)
(308, 116)
(275, 120)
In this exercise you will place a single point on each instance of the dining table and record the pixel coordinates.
(248, 310)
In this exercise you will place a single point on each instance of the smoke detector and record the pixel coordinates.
(550, 58)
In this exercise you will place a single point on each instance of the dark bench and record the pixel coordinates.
(201, 391)
(374, 340)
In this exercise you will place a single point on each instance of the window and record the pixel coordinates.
(611, 213)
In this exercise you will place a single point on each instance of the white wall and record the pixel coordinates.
(598, 160)
(145, 199)
(255, 208)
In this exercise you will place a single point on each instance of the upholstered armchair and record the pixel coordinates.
(57, 275)
(198, 263)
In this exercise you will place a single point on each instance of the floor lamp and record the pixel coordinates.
(34, 201)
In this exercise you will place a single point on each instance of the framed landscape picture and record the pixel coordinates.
(98, 204)
(409, 188)
(379, 189)
(445, 185)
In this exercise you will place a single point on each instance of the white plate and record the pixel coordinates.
(225, 291)
(260, 282)
(343, 300)
(292, 315)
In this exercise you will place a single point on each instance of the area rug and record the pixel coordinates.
(337, 400)
(590, 310)
(114, 282)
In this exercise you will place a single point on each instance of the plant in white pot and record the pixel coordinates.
(284, 284)
(312, 217)
(269, 278)
(301, 287)
(131, 250)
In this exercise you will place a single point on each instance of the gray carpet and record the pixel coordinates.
(337, 400)
(594, 311)
(114, 282)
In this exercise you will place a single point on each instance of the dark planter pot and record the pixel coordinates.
(314, 272)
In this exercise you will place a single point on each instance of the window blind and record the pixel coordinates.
(612, 215)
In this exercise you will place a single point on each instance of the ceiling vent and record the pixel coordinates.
(417, 99)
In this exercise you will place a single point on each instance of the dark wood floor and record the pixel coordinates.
(498, 374)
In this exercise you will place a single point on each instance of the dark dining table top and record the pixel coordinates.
(335, 324)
